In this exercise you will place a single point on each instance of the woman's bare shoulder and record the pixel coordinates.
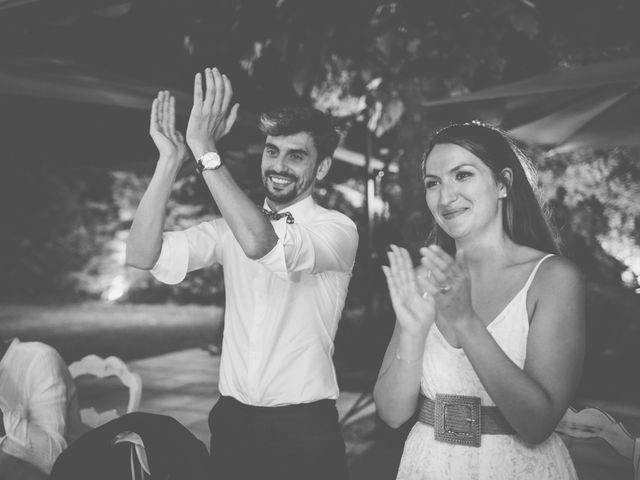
(559, 268)
(552, 266)
(557, 276)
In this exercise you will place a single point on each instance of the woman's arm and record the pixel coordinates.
(397, 389)
(532, 399)
(555, 352)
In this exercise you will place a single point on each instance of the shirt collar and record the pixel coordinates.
(300, 210)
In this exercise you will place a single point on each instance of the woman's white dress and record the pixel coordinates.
(446, 370)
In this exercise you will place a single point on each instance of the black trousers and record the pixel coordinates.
(297, 442)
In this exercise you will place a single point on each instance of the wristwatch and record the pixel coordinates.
(208, 161)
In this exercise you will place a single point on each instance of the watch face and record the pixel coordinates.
(210, 161)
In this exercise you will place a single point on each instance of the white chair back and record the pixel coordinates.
(104, 368)
(592, 422)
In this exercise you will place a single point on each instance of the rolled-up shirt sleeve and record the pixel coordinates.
(328, 244)
(191, 249)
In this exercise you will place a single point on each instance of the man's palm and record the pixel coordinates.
(168, 140)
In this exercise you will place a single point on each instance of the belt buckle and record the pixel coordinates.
(457, 420)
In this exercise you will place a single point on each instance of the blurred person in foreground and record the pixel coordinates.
(38, 407)
(490, 333)
(286, 271)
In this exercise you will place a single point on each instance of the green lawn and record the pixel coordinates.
(128, 331)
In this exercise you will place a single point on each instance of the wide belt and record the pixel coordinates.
(461, 420)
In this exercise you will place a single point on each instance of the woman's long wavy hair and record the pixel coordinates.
(524, 217)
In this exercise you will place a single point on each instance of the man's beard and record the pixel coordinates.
(280, 197)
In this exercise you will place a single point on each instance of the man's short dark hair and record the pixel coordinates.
(291, 120)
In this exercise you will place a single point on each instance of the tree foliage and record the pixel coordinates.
(594, 194)
(370, 62)
(56, 221)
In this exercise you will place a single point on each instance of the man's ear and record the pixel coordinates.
(323, 168)
(506, 180)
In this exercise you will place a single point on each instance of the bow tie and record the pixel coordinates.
(278, 215)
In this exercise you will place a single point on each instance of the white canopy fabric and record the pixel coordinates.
(591, 106)
(7, 4)
(56, 80)
(59, 80)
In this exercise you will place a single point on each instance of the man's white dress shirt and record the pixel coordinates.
(38, 402)
(282, 311)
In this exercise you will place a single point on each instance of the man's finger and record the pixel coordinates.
(231, 119)
(209, 95)
(228, 94)
(153, 118)
(197, 91)
(160, 108)
(218, 85)
(172, 114)
(166, 113)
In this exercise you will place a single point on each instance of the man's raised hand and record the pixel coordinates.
(211, 116)
(162, 128)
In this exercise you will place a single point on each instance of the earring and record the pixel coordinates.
(502, 195)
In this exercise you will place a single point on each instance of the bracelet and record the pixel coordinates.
(408, 362)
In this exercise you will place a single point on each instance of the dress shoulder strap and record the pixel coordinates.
(535, 269)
